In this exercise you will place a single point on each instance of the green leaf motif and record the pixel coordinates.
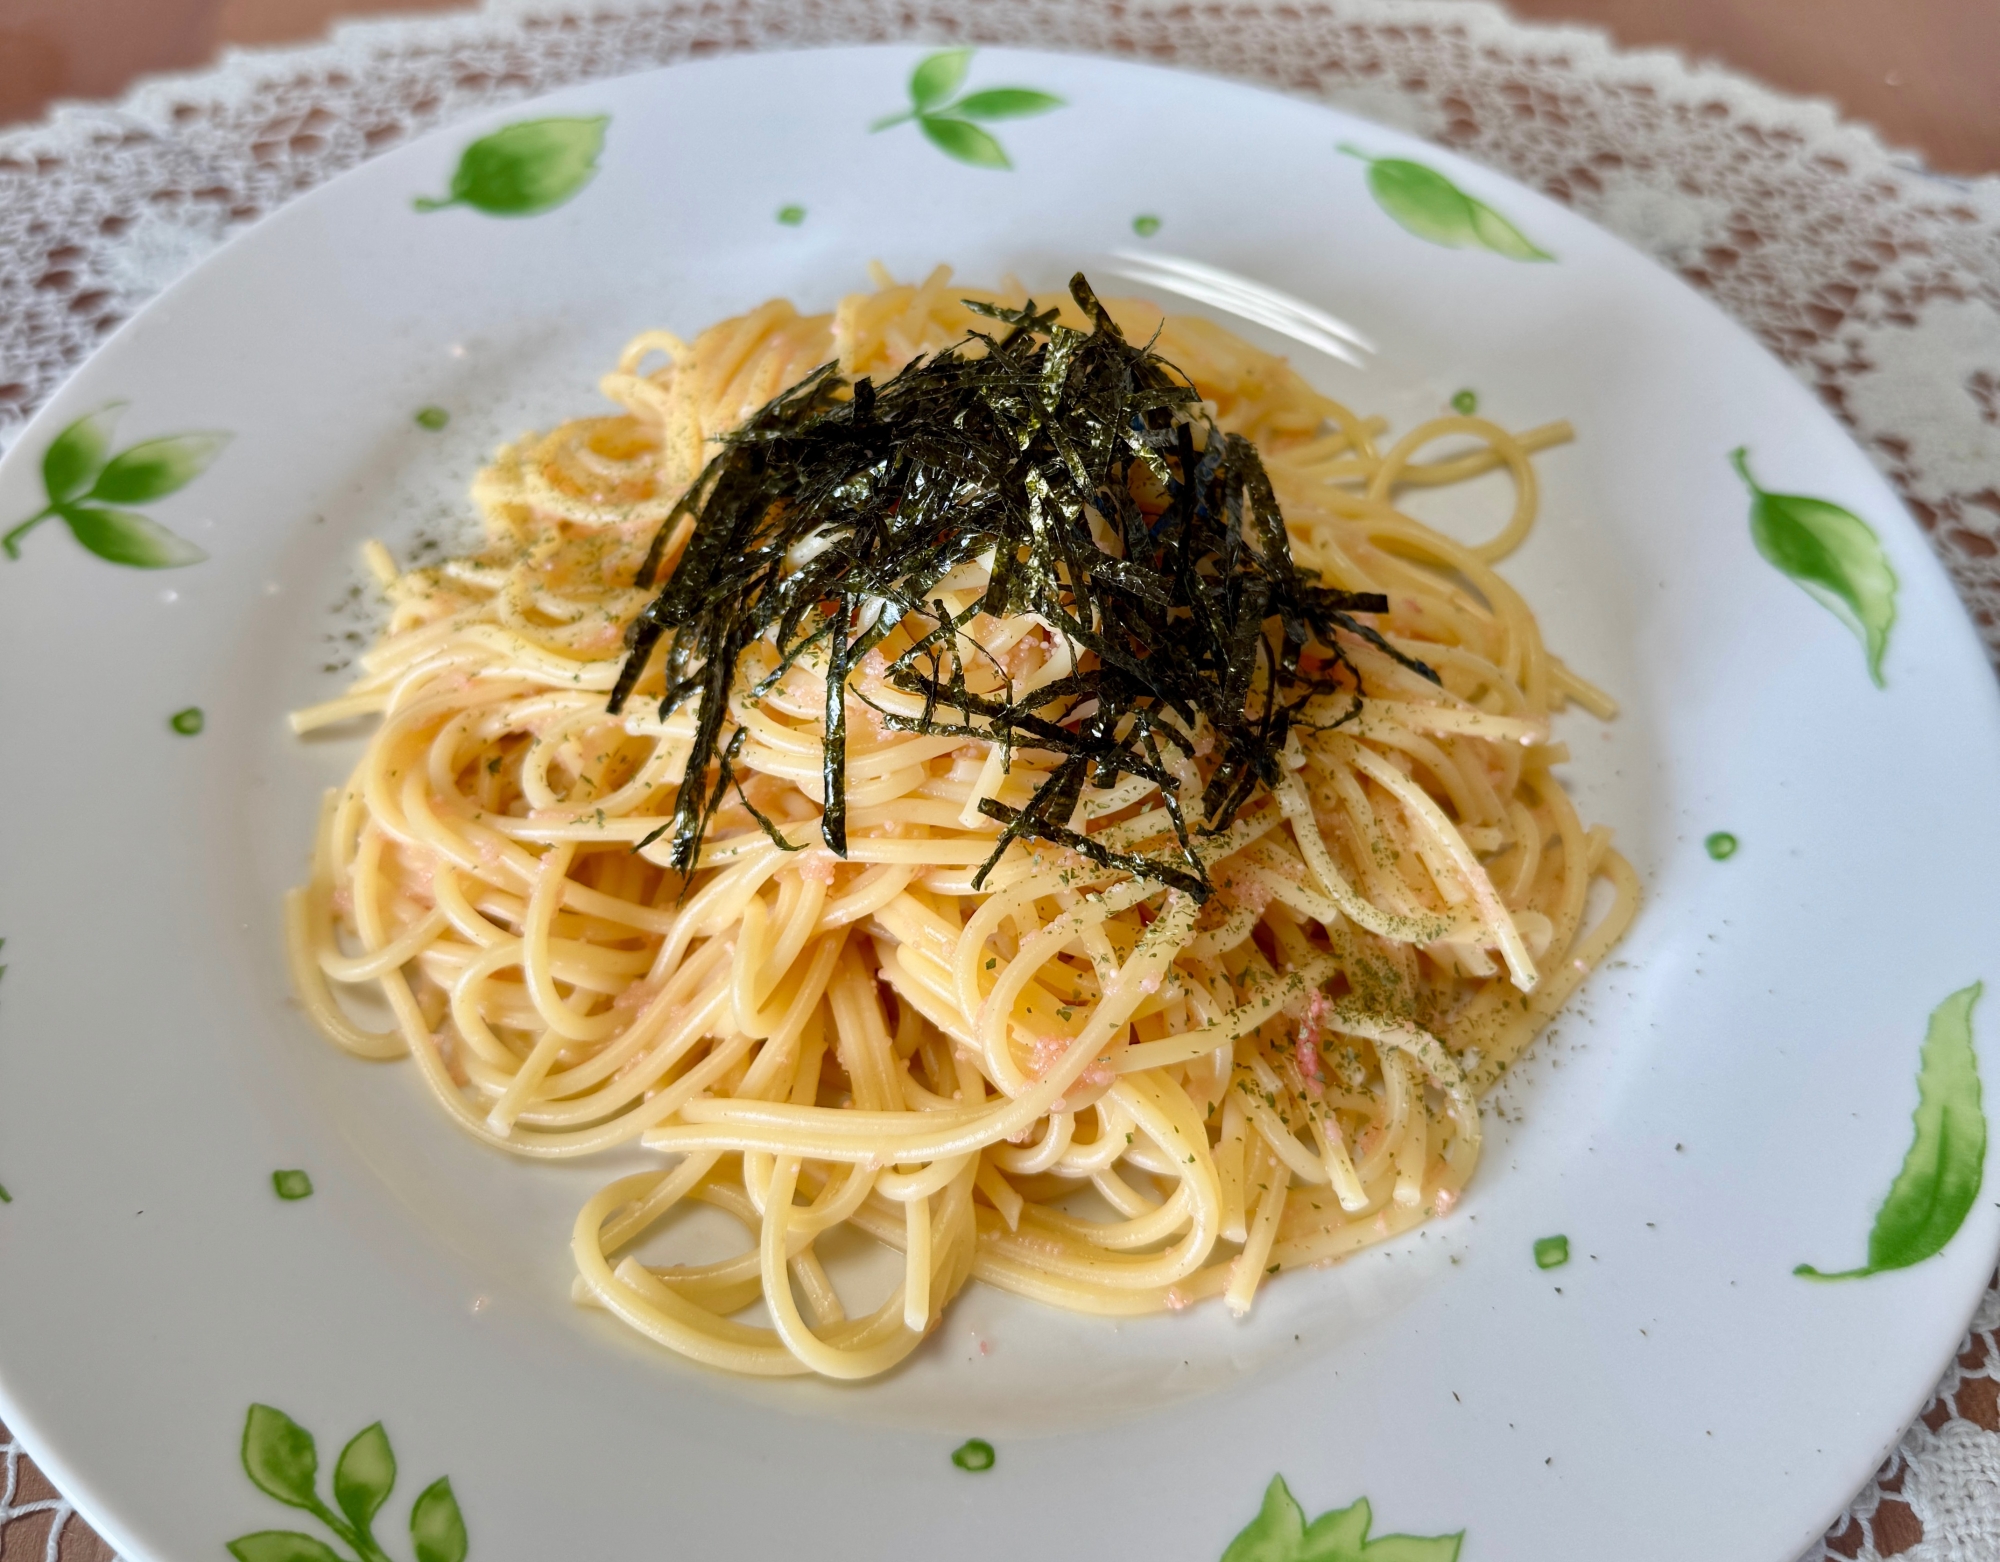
(1433, 208)
(280, 1456)
(1414, 1548)
(1501, 236)
(525, 169)
(437, 1528)
(1006, 103)
(1833, 554)
(947, 122)
(155, 468)
(1946, 1161)
(1280, 1533)
(127, 537)
(76, 455)
(964, 141)
(365, 1475)
(282, 1545)
(1277, 1532)
(82, 480)
(937, 77)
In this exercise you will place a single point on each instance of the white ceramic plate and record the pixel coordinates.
(1730, 1097)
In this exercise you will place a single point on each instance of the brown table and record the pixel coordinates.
(1923, 72)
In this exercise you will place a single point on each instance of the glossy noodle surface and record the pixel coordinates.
(1088, 1088)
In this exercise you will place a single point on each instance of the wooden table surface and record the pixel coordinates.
(1926, 73)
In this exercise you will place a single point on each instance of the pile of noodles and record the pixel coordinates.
(1076, 1085)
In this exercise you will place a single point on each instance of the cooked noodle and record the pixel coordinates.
(1078, 1086)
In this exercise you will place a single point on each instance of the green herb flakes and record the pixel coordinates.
(292, 1185)
(1721, 845)
(1551, 1252)
(975, 1454)
(188, 722)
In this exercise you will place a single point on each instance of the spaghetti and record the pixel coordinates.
(1032, 1060)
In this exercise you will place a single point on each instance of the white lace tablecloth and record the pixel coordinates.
(1877, 282)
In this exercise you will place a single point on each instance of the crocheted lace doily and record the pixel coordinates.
(1878, 283)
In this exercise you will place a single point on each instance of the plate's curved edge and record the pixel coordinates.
(46, 416)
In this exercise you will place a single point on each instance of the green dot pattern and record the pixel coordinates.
(973, 1454)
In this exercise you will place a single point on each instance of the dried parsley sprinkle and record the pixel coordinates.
(974, 1453)
(1189, 611)
(5, 1196)
(292, 1184)
(791, 216)
(1551, 1252)
(1721, 845)
(188, 722)
(1145, 225)
(1465, 403)
(433, 418)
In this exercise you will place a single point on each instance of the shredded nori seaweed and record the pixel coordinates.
(1193, 611)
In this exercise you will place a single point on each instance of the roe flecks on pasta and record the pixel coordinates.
(947, 905)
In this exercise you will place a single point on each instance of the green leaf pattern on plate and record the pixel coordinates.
(365, 1474)
(437, 1528)
(1434, 208)
(947, 121)
(1946, 1160)
(155, 468)
(282, 1545)
(967, 143)
(1280, 1533)
(83, 481)
(937, 77)
(524, 169)
(1832, 553)
(127, 537)
(281, 1458)
(76, 455)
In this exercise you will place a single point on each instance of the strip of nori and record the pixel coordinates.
(831, 515)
